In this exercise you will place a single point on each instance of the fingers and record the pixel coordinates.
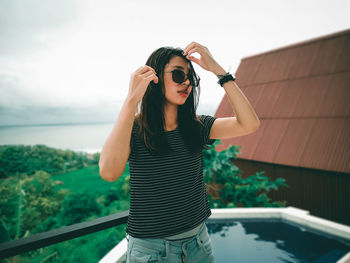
(191, 46)
(194, 59)
(188, 47)
(146, 72)
(149, 75)
(144, 69)
(195, 49)
(153, 77)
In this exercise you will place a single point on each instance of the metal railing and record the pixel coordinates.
(19, 246)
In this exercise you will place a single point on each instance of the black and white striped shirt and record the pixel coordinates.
(167, 193)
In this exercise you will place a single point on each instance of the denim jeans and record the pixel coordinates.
(190, 250)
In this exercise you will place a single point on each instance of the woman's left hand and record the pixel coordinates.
(206, 60)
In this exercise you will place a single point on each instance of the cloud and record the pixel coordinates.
(24, 24)
(11, 95)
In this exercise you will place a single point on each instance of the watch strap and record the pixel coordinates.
(224, 78)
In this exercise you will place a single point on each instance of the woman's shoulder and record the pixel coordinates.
(205, 118)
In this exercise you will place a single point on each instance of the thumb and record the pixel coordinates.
(194, 59)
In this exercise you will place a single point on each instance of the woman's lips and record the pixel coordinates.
(183, 93)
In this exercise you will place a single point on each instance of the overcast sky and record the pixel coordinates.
(80, 54)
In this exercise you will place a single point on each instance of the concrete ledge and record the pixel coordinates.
(117, 254)
(345, 259)
(252, 212)
(289, 214)
(317, 223)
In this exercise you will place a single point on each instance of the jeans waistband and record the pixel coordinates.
(160, 243)
(185, 235)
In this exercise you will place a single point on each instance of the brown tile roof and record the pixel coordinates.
(301, 94)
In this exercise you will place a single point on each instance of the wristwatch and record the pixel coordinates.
(224, 78)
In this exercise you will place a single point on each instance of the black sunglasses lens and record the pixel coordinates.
(178, 76)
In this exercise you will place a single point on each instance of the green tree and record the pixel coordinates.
(22, 159)
(40, 199)
(227, 188)
(78, 207)
(28, 201)
(8, 204)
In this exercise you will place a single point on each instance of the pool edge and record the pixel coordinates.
(289, 214)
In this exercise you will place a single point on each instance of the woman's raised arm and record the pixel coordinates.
(116, 150)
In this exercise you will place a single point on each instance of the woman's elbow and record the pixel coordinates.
(256, 127)
(253, 128)
(107, 175)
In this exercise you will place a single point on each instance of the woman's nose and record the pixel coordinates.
(187, 82)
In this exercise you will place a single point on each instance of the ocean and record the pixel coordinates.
(77, 137)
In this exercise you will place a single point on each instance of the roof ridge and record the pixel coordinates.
(304, 42)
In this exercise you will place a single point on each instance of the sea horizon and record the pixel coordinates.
(79, 137)
(55, 124)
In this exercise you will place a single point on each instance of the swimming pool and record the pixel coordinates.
(273, 241)
(267, 235)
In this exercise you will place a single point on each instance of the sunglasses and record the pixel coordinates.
(179, 77)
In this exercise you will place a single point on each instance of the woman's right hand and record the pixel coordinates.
(139, 81)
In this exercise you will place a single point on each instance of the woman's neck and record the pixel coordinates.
(170, 117)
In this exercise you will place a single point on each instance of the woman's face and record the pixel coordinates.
(176, 93)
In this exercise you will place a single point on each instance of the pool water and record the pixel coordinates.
(272, 240)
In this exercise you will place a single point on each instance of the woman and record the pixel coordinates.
(163, 143)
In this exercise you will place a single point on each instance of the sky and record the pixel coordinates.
(65, 61)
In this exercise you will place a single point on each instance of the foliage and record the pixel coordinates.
(24, 159)
(78, 207)
(32, 204)
(9, 201)
(41, 199)
(27, 201)
(227, 188)
(4, 234)
(89, 248)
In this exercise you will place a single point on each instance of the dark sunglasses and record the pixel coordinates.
(180, 77)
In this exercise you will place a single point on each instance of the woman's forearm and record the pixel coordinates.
(245, 113)
(116, 150)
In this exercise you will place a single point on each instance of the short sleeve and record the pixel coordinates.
(207, 121)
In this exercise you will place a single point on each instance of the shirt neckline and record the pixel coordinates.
(171, 130)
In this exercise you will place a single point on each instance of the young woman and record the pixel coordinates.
(163, 141)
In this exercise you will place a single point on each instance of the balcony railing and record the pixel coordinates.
(19, 246)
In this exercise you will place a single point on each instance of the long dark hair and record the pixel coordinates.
(150, 118)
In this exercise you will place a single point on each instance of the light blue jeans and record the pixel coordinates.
(192, 250)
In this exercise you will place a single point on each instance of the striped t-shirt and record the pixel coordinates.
(167, 192)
